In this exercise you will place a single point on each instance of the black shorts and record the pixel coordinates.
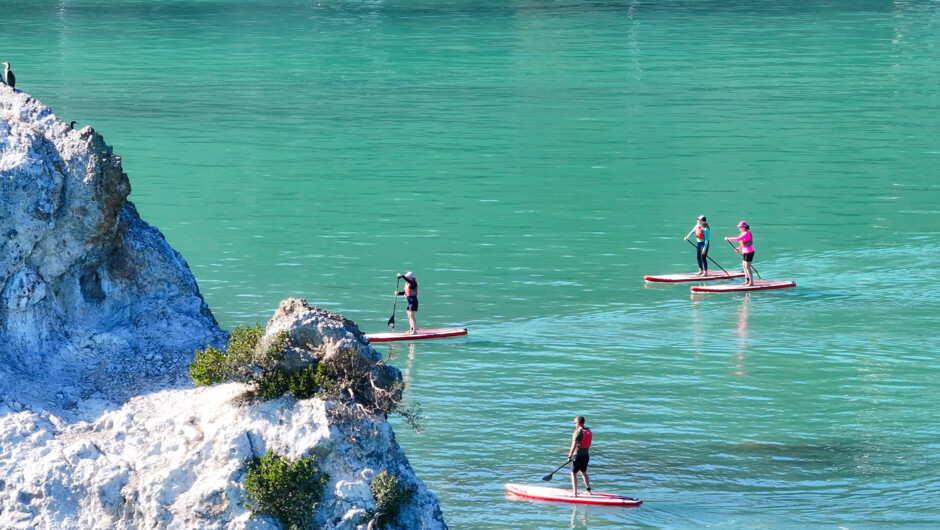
(748, 256)
(580, 463)
(412, 303)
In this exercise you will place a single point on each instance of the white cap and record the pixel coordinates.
(409, 274)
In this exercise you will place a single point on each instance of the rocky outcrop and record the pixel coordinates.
(176, 459)
(99, 318)
(93, 301)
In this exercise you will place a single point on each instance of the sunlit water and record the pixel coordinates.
(531, 161)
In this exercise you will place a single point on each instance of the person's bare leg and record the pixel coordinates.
(574, 483)
(587, 482)
(412, 322)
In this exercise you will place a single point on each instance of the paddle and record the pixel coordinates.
(391, 321)
(710, 258)
(752, 266)
(549, 476)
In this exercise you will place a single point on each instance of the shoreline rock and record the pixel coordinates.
(99, 321)
(94, 303)
(177, 458)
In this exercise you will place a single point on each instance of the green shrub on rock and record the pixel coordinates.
(248, 360)
(304, 383)
(215, 366)
(390, 497)
(288, 490)
(272, 384)
(209, 367)
(345, 377)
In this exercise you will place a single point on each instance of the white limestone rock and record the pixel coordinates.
(89, 293)
(99, 318)
(176, 459)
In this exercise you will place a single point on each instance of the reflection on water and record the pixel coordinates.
(741, 354)
(579, 518)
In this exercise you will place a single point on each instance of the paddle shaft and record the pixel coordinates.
(752, 265)
(549, 476)
(710, 259)
(391, 321)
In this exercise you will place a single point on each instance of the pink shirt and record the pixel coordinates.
(747, 242)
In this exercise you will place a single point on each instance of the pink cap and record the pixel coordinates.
(742, 224)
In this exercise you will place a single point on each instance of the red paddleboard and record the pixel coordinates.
(735, 287)
(672, 278)
(421, 334)
(562, 495)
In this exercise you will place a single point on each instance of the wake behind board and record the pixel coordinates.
(421, 334)
(736, 287)
(673, 278)
(562, 495)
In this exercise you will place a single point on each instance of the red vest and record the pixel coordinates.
(409, 292)
(586, 437)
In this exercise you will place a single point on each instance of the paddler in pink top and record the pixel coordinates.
(746, 250)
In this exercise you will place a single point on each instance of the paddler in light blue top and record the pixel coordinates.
(701, 231)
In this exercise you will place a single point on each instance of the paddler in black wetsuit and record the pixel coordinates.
(411, 295)
(580, 443)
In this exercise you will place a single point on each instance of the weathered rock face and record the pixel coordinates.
(93, 301)
(176, 459)
(95, 309)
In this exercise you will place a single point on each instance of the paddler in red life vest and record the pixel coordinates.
(411, 295)
(580, 443)
(701, 231)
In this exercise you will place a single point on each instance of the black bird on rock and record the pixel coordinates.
(72, 125)
(8, 76)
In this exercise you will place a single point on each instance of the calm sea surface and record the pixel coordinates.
(531, 161)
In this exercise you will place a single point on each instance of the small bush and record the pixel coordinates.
(347, 377)
(389, 495)
(247, 360)
(209, 367)
(272, 384)
(214, 366)
(287, 490)
(303, 383)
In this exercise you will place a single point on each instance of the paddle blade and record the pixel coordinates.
(391, 322)
(548, 477)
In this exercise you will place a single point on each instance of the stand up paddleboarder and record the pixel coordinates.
(411, 295)
(747, 250)
(701, 232)
(580, 443)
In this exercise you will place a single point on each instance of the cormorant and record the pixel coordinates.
(72, 125)
(8, 75)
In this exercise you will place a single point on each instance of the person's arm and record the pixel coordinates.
(410, 281)
(687, 236)
(739, 238)
(705, 233)
(575, 440)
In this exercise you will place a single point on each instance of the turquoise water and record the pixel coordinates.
(531, 161)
